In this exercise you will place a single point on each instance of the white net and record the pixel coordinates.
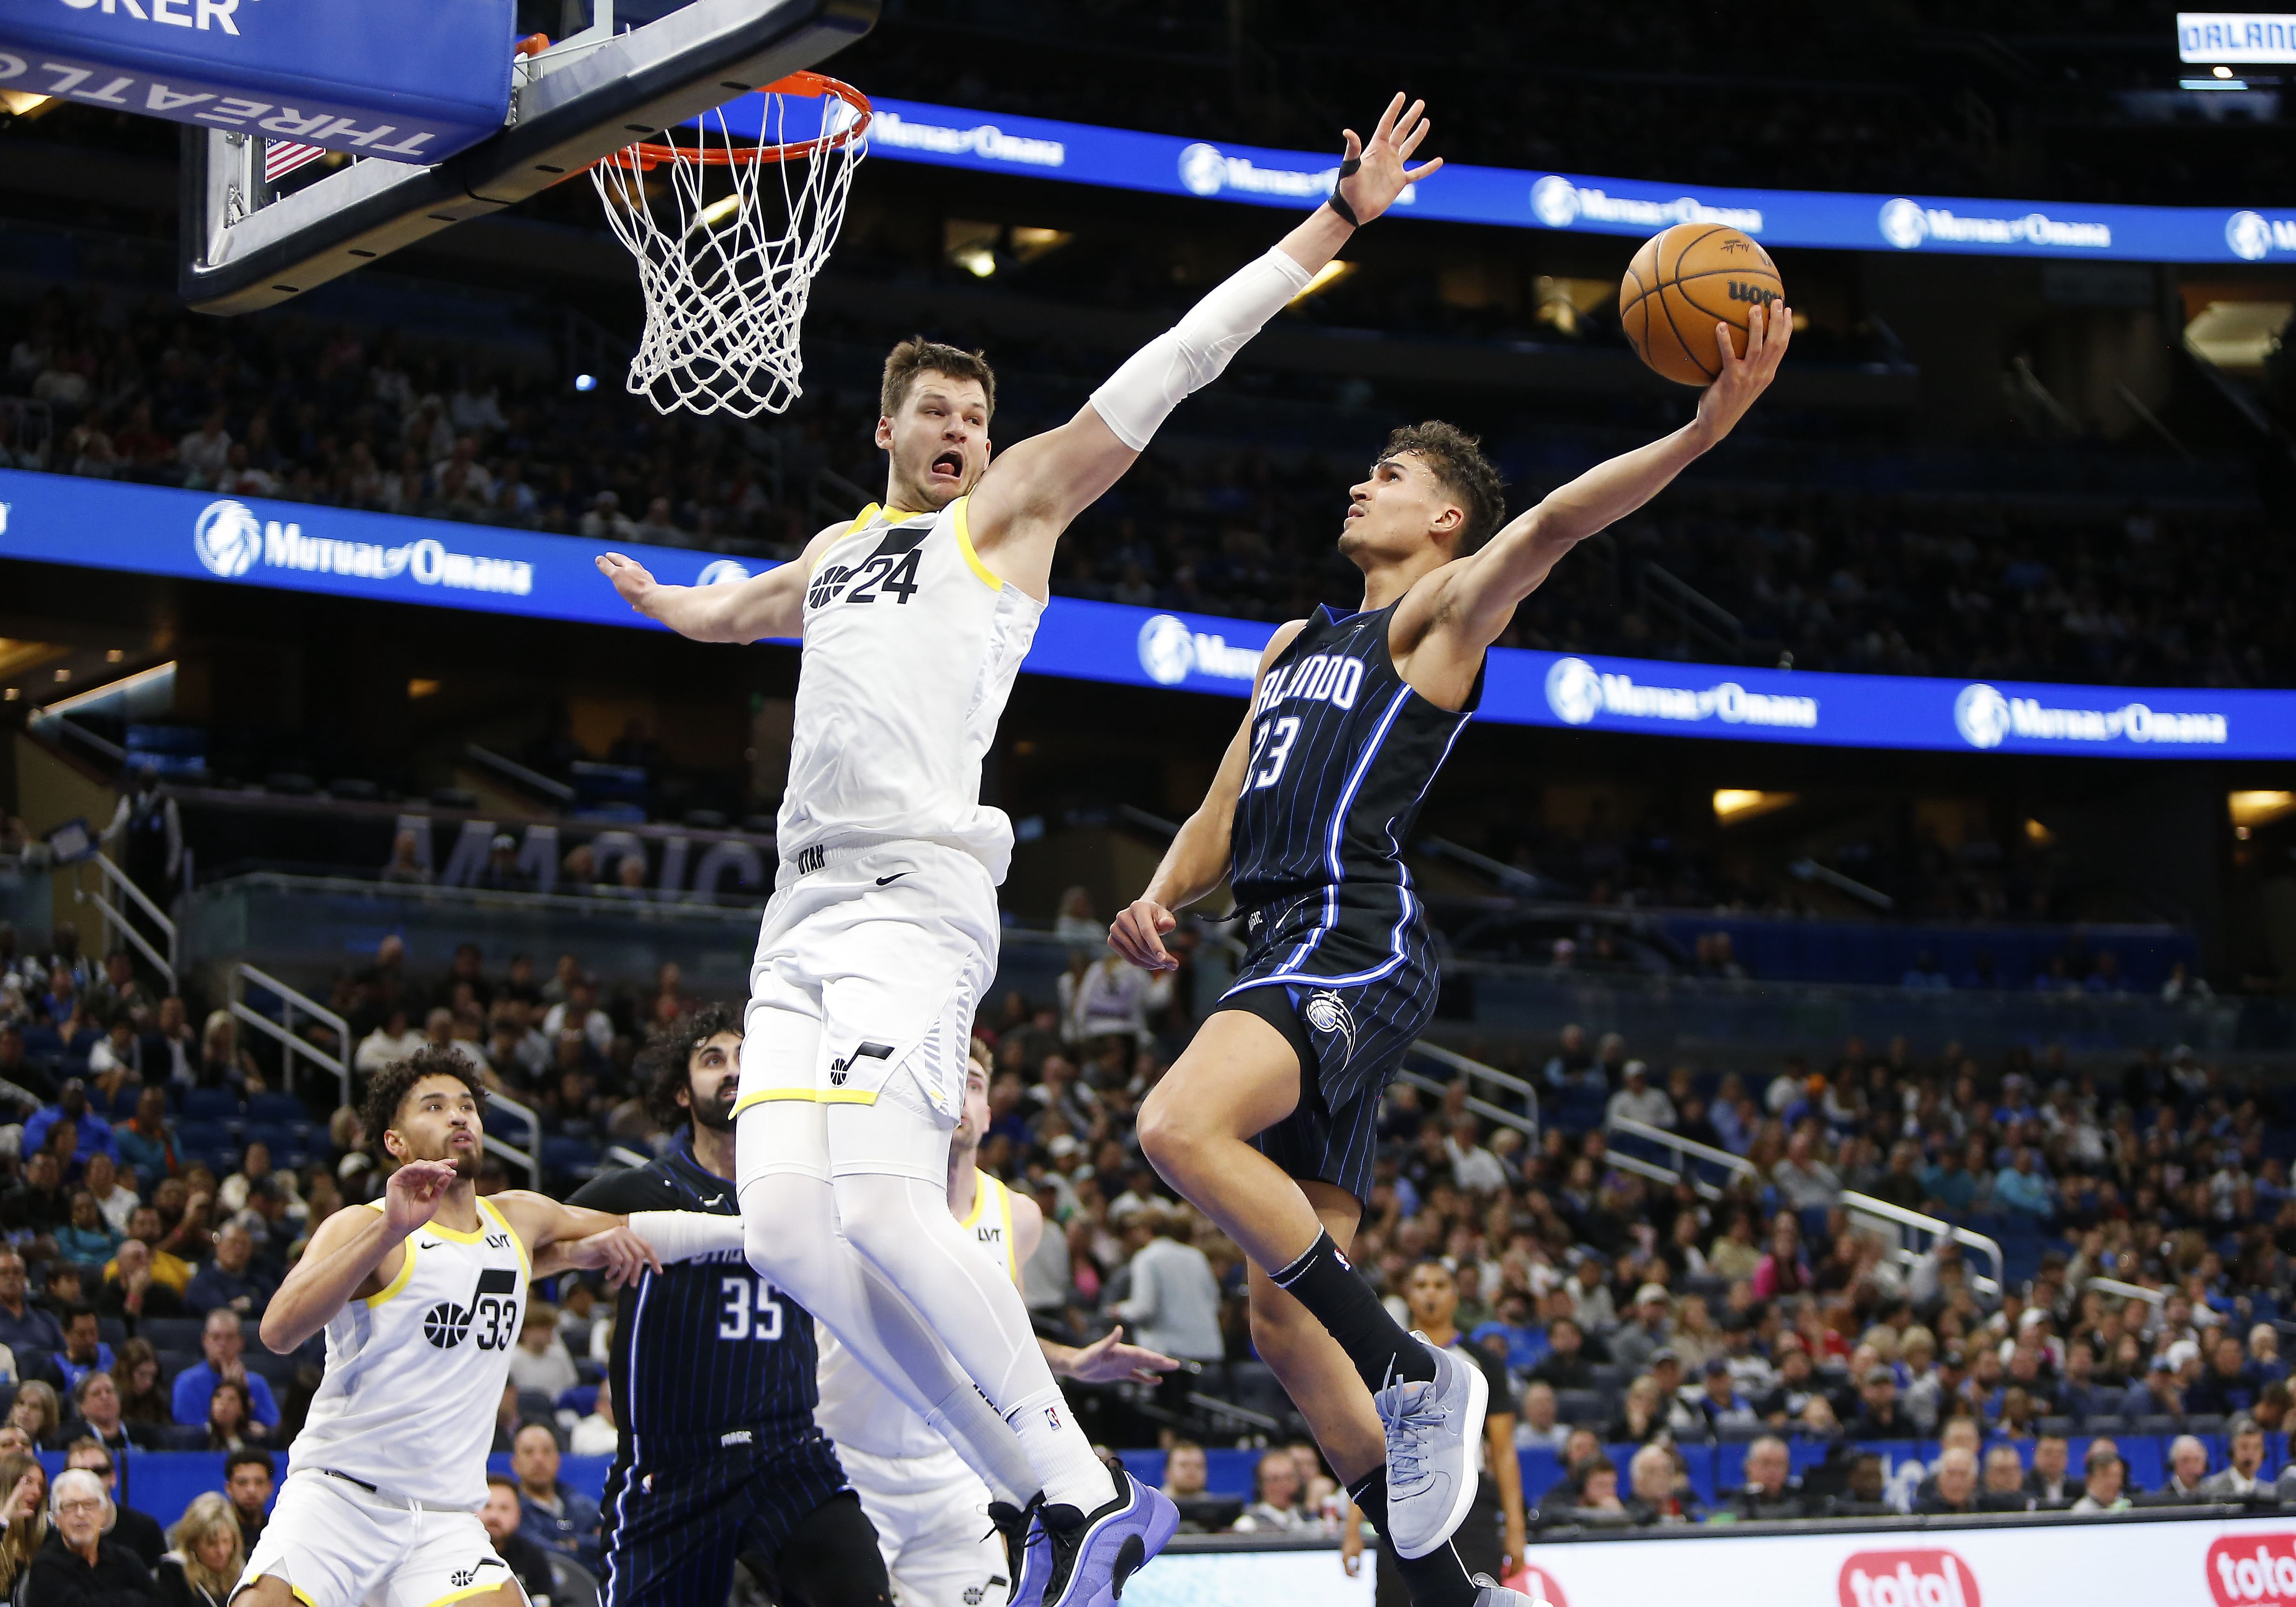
(725, 260)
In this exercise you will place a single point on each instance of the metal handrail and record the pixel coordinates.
(1688, 1148)
(1936, 1227)
(530, 1158)
(2133, 1291)
(621, 1154)
(283, 1030)
(108, 875)
(1468, 1066)
(1656, 1173)
(1478, 1105)
(509, 769)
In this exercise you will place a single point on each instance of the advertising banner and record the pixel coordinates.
(247, 541)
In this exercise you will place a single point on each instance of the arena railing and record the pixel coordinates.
(282, 1031)
(530, 1156)
(1523, 1120)
(1936, 1227)
(112, 882)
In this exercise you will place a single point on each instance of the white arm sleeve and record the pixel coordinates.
(682, 1235)
(1193, 353)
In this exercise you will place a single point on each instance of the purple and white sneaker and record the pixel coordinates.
(1094, 1554)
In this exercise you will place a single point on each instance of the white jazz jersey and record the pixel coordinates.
(415, 1375)
(857, 1411)
(911, 645)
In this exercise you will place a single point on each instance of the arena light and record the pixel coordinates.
(2249, 810)
(1735, 804)
(1326, 276)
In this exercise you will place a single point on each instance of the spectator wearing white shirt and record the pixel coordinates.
(1114, 999)
(596, 1435)
(580, 1010)
(1474, 1167)
(471, 410)
(394, 1040)
(1174, 1305)
(1638, 1101)
(541, 1361)
(1802, 1177)
(206, 452)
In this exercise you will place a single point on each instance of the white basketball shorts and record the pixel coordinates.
(869, 969)
(336, 1545)
(931, 1515)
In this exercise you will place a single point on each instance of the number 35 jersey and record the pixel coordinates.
(706, 1353)
(911, 645)
(414, 1375)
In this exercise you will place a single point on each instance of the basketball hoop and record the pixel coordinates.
(725, 270)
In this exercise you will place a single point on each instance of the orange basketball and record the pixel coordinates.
(1682, 284)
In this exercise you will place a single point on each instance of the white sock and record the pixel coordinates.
(1059, 1453)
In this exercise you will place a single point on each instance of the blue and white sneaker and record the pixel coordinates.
(1434, 1436)
(1489, 1592)
(1029, 1554)
(1094, 1554)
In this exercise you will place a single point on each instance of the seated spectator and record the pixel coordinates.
(1783, 1270)
(36, 1203)
(540, 1362)
(394, 1040)
(1783, 1401)
(86, 1236)
(1660, 1494)
(2047, 1483)
(596, 1435)
(249, 1479)
(97, 1417)
(2226, 1387)
(255, 1167)
(83, 1352)
(205, 1557)
(1642, 1414)
(131, 1290)
(1803, 1176)
(146, 1142)
(1956, 1485)
(223, 1345)
(1563, 1493)
(1865, 1489)
(502, 1514)
(1880, 1414)
(81, 1563)
(2188, 1466)
(37, 1412)
(142, 1400)
(2076, 1390)
(224, 1062)
(114, 1200)
(166, 1268)
(2004, 1489)
(1185, 1472)
(1771, 1492)
(2158, 1397)
(230, 1416)
(231, 1282)
(1274, 1507)
(140, 1531)
(71, 1109)
(1564, 1366)
(1715, 1406)
(554, 1515)
(2242, 1479)
(1638, 1101)
(1594, 1492)
(1538, 1424)
(2106, 1486)
(1641, 1336)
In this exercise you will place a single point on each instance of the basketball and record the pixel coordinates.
(1680, 284)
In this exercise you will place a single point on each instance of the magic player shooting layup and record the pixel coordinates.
(928, 1509)
(422, 1296)
(882, 930)
(1267, 1121)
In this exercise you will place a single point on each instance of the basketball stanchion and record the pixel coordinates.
(725, 262)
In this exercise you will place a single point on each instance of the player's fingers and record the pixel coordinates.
(1409, 143)
(1410, 121)
(1165, 919)
(1731, 360)
(1387, 119)
(1426, 169)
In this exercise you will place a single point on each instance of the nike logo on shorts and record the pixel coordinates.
(896, 876)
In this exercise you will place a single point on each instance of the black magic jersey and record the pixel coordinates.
(1343, 754)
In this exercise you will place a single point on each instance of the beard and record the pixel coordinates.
(716, 1114)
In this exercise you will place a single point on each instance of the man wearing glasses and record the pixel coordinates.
(139, 1532)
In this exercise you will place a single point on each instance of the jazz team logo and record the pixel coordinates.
(2253, 1570)
(1908, 1579)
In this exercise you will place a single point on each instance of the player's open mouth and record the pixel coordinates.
(949, 463)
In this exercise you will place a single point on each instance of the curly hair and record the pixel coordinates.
(665, 1064)
(1457, 460)
(389, 1087)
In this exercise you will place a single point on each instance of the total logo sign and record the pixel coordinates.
(2253, 1570)
(1908, 1579)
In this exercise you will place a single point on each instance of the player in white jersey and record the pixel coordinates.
(929, 1510)
(882, 932)
(421, 1296)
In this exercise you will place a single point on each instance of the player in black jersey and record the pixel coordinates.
(1267, 1122)
(713, 1380)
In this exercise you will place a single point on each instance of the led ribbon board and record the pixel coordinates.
(1515, 198)
(336, 552)
(409, 80)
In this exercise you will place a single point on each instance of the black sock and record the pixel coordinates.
(1328, 1285)
(1438, 1578)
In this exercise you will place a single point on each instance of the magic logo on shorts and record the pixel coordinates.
(1908, 1579)
(1327, 1012)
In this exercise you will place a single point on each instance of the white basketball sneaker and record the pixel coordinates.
(1491, 1593)
(1434, 1429)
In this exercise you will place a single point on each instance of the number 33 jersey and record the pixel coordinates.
(414, 1375)
(911, 645)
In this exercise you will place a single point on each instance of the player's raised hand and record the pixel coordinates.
(414, 1194)
(1138, 935)
(624, 1257)
(1742, 379)
(632, 579)
(1108, 1360)
(1372, 188)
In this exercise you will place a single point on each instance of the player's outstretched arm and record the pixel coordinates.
(1476, 596)
(763, 606)
(1032, 491)
(1197, 859)
(354, 1253)
(574, 1238)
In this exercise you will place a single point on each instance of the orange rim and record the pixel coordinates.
(647, 155)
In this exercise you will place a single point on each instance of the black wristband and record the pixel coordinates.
(1337, 203)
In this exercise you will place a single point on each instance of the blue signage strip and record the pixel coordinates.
(1124, 158)
(408, 80)
(193, 535)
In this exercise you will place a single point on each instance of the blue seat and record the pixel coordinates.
(212, 1104)
(123, 1101)
(578, 1156)
(174, 1333)
(278, 1110)
(581, 1400)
